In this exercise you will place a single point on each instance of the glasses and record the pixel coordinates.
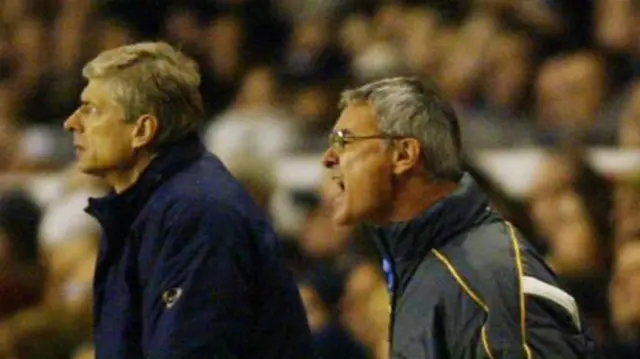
(340, 138)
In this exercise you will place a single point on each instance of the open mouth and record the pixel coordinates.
(339, 182)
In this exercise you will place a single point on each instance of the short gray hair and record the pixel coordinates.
(406, 107)
(153, 78)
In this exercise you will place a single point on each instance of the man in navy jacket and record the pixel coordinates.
(188, 266)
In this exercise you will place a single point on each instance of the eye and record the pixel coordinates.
(88, 109)
(337, 139)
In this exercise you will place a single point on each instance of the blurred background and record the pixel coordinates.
(547, 92)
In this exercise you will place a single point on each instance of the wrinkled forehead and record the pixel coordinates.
(357, 118)
(99, 91)
(93, 89)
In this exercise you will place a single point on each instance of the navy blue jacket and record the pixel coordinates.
(189, 267)
(465, 284)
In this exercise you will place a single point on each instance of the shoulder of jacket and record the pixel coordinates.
(485, 247)
(173, 204)
(483, 259)
(200, 187)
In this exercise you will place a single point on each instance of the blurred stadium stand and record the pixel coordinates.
(547, 92)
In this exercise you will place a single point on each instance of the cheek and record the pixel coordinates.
(110, 144)
(368, 177)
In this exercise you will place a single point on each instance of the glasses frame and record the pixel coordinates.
(338, 139)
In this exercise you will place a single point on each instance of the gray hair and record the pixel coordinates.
(406, 107)
(153, 78)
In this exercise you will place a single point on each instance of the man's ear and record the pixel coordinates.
(406, 155)
(145, 131)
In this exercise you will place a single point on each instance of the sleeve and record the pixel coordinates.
(549, 331)
(197, 300)
(528, 318)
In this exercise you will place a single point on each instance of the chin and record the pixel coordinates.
(83, 167)
(346, 219)
(340, 221)
(339, 218)
(87, 168)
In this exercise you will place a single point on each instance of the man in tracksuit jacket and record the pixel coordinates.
(188, 267)
(463, 282)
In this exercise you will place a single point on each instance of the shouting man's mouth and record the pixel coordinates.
(339, 182)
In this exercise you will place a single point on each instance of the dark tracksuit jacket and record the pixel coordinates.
(189, 267)
(465, 284)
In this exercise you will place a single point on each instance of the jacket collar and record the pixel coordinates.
(403, 245)
(124, 207)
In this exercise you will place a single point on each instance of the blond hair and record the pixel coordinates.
(153, 78)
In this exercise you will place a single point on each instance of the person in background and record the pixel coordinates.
(571, 207)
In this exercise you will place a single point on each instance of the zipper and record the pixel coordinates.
(388, 266)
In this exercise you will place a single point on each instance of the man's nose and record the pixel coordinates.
(330, 158)
(70, 124)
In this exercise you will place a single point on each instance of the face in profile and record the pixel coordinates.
(103, 140)
(360, 168)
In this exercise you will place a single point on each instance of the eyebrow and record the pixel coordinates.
(343, 130)
(84, 98)
(85, 101)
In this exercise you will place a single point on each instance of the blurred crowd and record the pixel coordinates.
(555, 74)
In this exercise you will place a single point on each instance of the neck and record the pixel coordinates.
(417, 195)
(125, 177)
